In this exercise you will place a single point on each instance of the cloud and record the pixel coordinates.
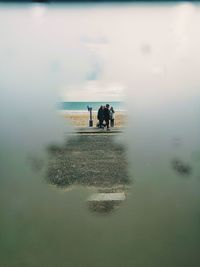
(94, 91)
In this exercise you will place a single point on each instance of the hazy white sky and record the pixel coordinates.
(99, 52)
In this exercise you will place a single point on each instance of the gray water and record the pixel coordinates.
(157, 67)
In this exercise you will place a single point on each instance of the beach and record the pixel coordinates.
(81, 119)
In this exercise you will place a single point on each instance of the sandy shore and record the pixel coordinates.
(81, 119)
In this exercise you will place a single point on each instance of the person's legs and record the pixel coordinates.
(107, 124)
(101, 123)
(112, 122)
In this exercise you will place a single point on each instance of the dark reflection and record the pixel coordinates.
(93, 160)
(103, 207)
(182, 168)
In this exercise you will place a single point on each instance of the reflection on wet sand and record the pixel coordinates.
(181, 167)
(94, 160)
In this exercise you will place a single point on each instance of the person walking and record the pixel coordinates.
(107, 116)
(100, 116)
(112, 117)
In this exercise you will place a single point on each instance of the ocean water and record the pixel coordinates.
(82, 106)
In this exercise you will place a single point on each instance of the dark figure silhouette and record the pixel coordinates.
(100, 116)
(107, 115)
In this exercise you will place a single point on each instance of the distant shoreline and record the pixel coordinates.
(82, 105)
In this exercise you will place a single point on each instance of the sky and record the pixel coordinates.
(99, 52)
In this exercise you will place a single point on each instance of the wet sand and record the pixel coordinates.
(91, 160)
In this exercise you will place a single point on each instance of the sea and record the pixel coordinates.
(83, 106)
